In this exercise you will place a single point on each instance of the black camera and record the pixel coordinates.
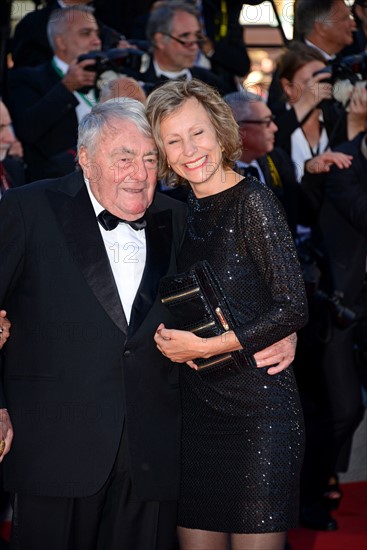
(120, 60)
(125, 61)
(341, 315)
(344, 73)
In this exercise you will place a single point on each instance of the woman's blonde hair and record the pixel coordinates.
(170, 96)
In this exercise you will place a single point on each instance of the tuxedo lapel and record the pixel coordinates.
(264, 166)
(158, 239)
(76, 217)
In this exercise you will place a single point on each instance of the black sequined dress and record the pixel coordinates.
(243, 436)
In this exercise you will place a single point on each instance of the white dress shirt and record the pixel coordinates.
(126, 251)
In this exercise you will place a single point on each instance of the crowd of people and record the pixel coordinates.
(112, 435)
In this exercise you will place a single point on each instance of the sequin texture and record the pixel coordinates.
(243, 438)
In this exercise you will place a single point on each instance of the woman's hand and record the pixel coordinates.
(4, 328)
(324, 161)
(180, 346)
(314, 91)
(6, 433)
(357, 114)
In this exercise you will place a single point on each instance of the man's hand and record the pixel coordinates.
(4, 328)
(78, 76)
(280, 354)
(6, 433)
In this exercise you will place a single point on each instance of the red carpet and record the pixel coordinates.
(351, 516)
(352, 520)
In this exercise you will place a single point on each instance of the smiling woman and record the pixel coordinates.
(242, 441)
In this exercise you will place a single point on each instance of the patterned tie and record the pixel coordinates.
(109, 221)
(248, 171)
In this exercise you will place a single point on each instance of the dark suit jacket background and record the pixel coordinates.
(74, 373)
(30, 46)
(45, 121)
(151, 80)
(288, 194)
(343, 222)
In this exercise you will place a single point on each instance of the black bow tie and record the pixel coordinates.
(109, 221)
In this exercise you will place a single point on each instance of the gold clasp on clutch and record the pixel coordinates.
(180, 295)
(221, 318)
(203, 327)
(215, 362)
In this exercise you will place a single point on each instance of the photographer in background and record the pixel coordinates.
(46, 102)
(326, 26)
(333, 261)
(30, 45)
(342, 226)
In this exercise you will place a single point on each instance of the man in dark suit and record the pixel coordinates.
(343, 228)
(174, 34)
(30, 45)
(94, 404)
(259, 157)
(11, 167)
(47, 101)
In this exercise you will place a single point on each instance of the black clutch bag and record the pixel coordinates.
(198, 304)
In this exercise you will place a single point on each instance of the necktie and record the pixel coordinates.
(109, 221)
(248, 171)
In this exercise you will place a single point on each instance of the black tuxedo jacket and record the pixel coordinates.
(343, 223)
(74, 373)
(45, 121)
(151, 79)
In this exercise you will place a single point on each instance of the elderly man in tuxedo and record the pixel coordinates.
(94, 405)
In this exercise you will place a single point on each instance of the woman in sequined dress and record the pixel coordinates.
(242, 442)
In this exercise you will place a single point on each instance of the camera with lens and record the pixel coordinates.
(342, 316)
(117, 61)
(344, 74)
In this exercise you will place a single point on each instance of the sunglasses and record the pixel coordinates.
(264, 122)
(200, 41)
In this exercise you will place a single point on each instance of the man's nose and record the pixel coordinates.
(7, 135)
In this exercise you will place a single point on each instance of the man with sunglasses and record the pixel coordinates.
(175, 37)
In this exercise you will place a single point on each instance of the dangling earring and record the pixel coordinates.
(169, 166)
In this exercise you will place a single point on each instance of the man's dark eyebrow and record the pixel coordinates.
(123, 149)
(152, 152)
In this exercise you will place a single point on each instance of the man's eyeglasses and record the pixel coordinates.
(200, 41)
(264, 122)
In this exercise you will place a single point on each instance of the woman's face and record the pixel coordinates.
(301, 78)
(192, 147)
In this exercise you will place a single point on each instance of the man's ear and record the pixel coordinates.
(83, 159)
(60, 43)
(287, 86)
(159, 40)
(321, 28)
